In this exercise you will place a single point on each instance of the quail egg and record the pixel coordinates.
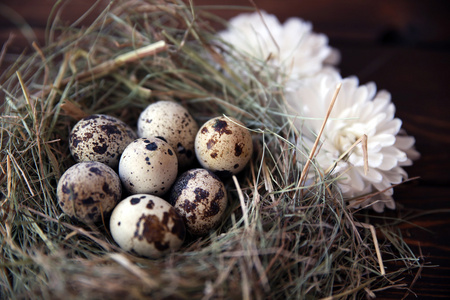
(172, 122)
(88, 190)
(147, 226)
(223, 145)
(148, 166)
(199, 196)
(100, 138)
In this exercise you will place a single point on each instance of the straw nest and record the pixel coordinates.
(278, 239)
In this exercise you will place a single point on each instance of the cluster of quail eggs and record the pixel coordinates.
(154, 184)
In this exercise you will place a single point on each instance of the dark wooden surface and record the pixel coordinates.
(403, 46)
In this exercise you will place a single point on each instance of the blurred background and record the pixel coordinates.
(401, 45)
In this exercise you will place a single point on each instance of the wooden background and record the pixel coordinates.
(401, 45)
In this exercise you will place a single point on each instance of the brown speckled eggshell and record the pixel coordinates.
(87, 190)
(148, 166)
(172, 122)
(223, 145)
(199, 196)
(147, 225)
(100, 138)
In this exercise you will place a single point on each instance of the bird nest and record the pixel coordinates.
(281, 237)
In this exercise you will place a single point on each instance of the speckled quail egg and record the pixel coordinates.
(88, 190)
(100, 138)
(147, 226)
(223, 145)
(148, 166)
(199, 196)
(172, 122)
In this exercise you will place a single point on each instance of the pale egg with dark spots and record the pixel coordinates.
(149, 166)
(88, 190)
(147, 225)
(199, 196)
(172, 122)
(100, 138)
(223, 145)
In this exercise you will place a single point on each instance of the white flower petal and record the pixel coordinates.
(396, 175)
(390, 203)
(380, 140)
(358, 110)
(388, 163)
(373, 175)
(291, 47)
(377, 206)
(395, 152)
(375, 159)
(391, 127)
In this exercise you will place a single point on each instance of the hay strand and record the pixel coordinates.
(319, 135)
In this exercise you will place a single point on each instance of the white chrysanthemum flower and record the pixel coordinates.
(359, 110)
(292, 48)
